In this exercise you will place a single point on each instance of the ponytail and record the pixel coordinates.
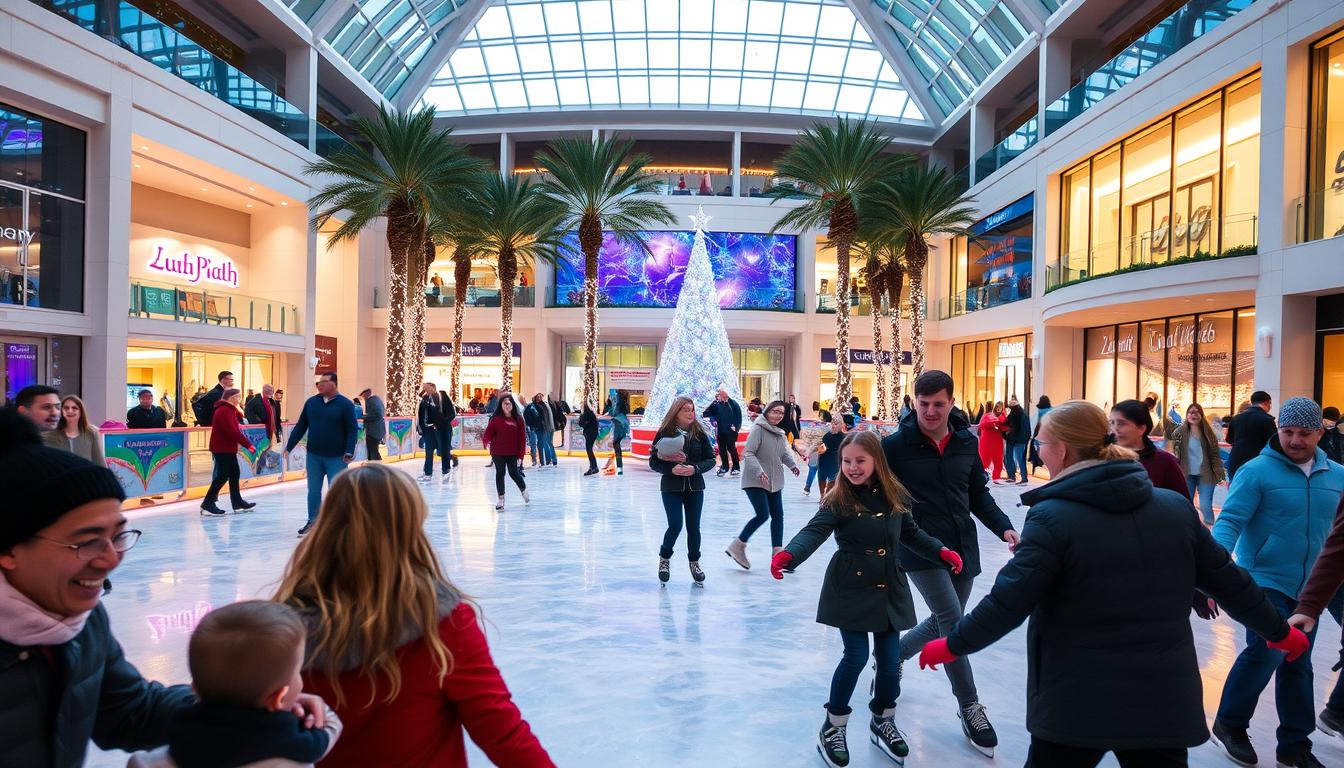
(1083, 429)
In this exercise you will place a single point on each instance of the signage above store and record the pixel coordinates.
(1016, 210)
(324, 348)
(470, 349)
(630, 378)
(195, 268)
(22, 236)
(863, 356)
(1012, 348)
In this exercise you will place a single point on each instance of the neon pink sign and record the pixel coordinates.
(195, 268)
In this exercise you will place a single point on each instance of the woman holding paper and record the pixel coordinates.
(681, 453)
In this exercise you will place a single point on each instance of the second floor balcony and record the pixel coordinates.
(861, 304)
(1237, 233)
(160, 301)
(996, 293)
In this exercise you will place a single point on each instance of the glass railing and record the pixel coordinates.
(1189, 23)
(860, 303)
(995, 294)
(963, 179)
(1320, 215)
(1239, 235)
(523, 296)
(754, 301)
(170, 50)
(718, 184)
(159, 301)
(1005, 151)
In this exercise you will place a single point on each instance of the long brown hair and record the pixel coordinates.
(83, 415)
(1205, 428)
(670, 427)
(369, 573)
(843, 498)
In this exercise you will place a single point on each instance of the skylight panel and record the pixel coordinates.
(595, 16)
(788, 94)
(694, 54)
(828, 60)
(725, 90)
(628, 15)
(467, 62)
(800, 19)
(694, 90)
(510, 95)
(661, 15)
(634, 90)
(573, 91)
(501, 59)
(562, 18)
(835, 23)
(730, 17)
(534, 57)
(603, 91)
(632, 54)
(727, 55)
(527, 20)
(541, 93)
(478, 96)
(820, 96)
(696, 15)
(794, 57)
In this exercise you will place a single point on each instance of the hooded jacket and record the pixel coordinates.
(767, 451)
(226, 435)
(1105, 570)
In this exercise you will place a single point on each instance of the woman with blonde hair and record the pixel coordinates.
(73, 432)
(1104, 571)
(393, 646)
(683, 483)
(1196, 449)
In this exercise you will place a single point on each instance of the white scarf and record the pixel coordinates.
(24, 623)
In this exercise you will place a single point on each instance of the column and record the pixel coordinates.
(1283, 142)
(301, 85)
(505, 155)
(982, 135)
(737, 164)
(1054, 350)
(1055, 66)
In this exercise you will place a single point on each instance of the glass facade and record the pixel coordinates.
(385, 39)
(1324, 202)
(1184, 187)
(625, 366)
(176, 374)
(991, 371)
(1207, 359)
(992, 266)
(760, 371)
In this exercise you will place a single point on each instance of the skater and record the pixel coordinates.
(506, 439)
(545, 432)
(328, 419)
(1034, 456)
(868, 511)
(226, 436)
(427, 422)
(936, 458)
(617, 408)
(992, 425)
(828, 461)
(1131, 423)
(589, 424)
(766, 454)
(813, 457)
(1017, 433)
(532, 418)
(1196, 450)
(727, 416)
(1104, 572)
(683, 483)
(375, 422)
(1326, 578)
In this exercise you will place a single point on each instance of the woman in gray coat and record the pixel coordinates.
(764, 458)
(73, 432)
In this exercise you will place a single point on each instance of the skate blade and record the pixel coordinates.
(822, 754)
(1323, 728)
(883, 749)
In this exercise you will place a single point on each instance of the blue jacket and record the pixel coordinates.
(331, 427)
(1276, 518)
(727, 416)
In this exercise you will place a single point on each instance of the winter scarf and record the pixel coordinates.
(24, 623)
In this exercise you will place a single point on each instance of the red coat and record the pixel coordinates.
(991, 433)
(226, 432)
(423, 725)
(505, 437)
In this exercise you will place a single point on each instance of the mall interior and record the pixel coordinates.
(1158, 186)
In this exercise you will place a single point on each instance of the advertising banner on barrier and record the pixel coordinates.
(574, 439)
(264, 458)
(147, 463)
(401, 438)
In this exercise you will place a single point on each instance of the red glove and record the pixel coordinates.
(935, 653)
(1295, 644)
(951, 558)
(779, 562)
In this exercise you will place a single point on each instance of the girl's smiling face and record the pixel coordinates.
(857, 465)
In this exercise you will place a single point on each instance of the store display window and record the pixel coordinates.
(1325, 193)
(992, 370)
(624, 366)
(992, 266)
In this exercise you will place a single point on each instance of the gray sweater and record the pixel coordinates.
(767, 451)
(88, 444)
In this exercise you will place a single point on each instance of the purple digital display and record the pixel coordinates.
(751, 271)
(20, 368)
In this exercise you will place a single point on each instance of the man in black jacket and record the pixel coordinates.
(937, 459)
(1250, 431)
(265, 409)
(727, 416)
(204, 408)
(146, 415)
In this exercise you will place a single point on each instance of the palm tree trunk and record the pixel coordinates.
(400, 233)
(875, 295)
(895, 282)
(844, 385)
(461, 274)
(916, 256)
(415, 356)
(590, 242)
(508, 275)
(415, 315)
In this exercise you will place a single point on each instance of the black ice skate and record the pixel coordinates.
(697, 573)
(831, 741)
(883, 732)
(664, 569)
(976, 726)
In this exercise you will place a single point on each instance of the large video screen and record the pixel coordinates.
(751, 271)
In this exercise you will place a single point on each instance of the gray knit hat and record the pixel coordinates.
(1301, 412)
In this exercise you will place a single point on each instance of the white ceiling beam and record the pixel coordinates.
(327, 16)
(1030, 12)
(458, 25)
(884, 40)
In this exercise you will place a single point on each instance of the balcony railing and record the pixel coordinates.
(1239, 237)
(1189, 23)
(718, 184)
(130, 28)
(783, 301)
(523, 296)
(167, 302)
(860, 304)
(1001, 154)
(1320, 215)
(984, 297)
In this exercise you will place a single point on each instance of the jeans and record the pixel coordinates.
(226, 471)
(728, 450)
(588, 446)
(887, 683)
(509, 464)
(946, 594)
(674, 502)
(437, 439)
(372, 443)
(1015, 457)
(1047, 754)
(1205, 491)
(616, 446)
(320, 467)
(533, 438)
(811, 475)
(546, 442)
(769, 505)
(1292, 685)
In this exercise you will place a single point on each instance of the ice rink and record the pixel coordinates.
(608, 666)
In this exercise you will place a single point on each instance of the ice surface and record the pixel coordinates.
(609, 667)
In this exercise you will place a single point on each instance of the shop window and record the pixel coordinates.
(1241, 166)
(1153, 366)
(41, 154)
(759, 371)
(992, 266)
(14, 287)
(991, 371)
(1127, 362)
(1198, 133)
(1243, 374)
(1147, 196)
(1213, 389)
(56, 254)
(1077, 222)
(1105, 213)
(1325, 194)
(1099, 368)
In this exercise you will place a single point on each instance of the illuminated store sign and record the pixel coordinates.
(195, 268)
(22, 236)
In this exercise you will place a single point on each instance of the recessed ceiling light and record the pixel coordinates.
(137, 165)
(251, 189)
(205, 189)
(145, 147)
(249, 205)
(282, 202)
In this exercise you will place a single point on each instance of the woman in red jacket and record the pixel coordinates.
(393, 646)
(506, 439)
(226, 435)
(992, 425)
(1131, 422)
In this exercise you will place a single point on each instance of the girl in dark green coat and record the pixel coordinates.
(865, 589)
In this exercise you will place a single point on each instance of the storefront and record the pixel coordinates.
(992, 371)
(1207, 359)
(863, 377)
(176, 374)
(480, 372)
(760, 371)
(1325, 191)
(627, 367)
(53, 360)
(1330, 350)
(993, 265)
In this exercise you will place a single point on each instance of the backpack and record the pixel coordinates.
(201, 410)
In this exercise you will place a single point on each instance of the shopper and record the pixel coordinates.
(937, 459)
(204, 407)
(375, 423)
(683, 483)
(1278, 512)
(73, 432)
(1250, 432)
(1131, 422)
(727, 416)
(1196, 450)
(505, 438)
(590, 426)
(868, 511)
(545, 432)
(813, 457)
(1326, 578)
(146, 415)
(1332, 442)
(764, 458)
(359, 410)
(328, 420)
(41, 405)
(1033, 456)
(532, 419)
(794, 420)
(393, 645)
(226, 438)
(828, 461)
(444, 431)
(617, 408)
(427, 418)
(265, 409)
(991, 427)
(1017, 435)
(1104, 571)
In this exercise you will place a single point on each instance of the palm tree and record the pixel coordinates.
(875, 274)
(515, 223)
(403, 169)
(918, 203)
(455, 232)
(601, 185)
(894, 281)
(836, 168)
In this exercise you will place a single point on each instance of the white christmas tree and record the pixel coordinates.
(697, 360)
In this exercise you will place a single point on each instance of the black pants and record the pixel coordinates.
(372, 444)
(728, 449)
(674, 502)
(1047, 754)
(588, 444)
(768, 505)
(509, 464)
(226, 471)
(616, 446)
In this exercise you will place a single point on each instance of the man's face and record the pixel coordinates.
(1268, 405)
(53, 576)
(45, 412)
(932, 410)
(326, 387)
(722, 396)
(227, 381)
(268, 392)
(1299, 444)
(279, 394)
(146, 400)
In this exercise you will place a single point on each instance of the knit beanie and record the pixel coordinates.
(1301, 412)
(43, 483)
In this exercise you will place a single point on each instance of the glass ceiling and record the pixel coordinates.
(385, 39)
(797, 57)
